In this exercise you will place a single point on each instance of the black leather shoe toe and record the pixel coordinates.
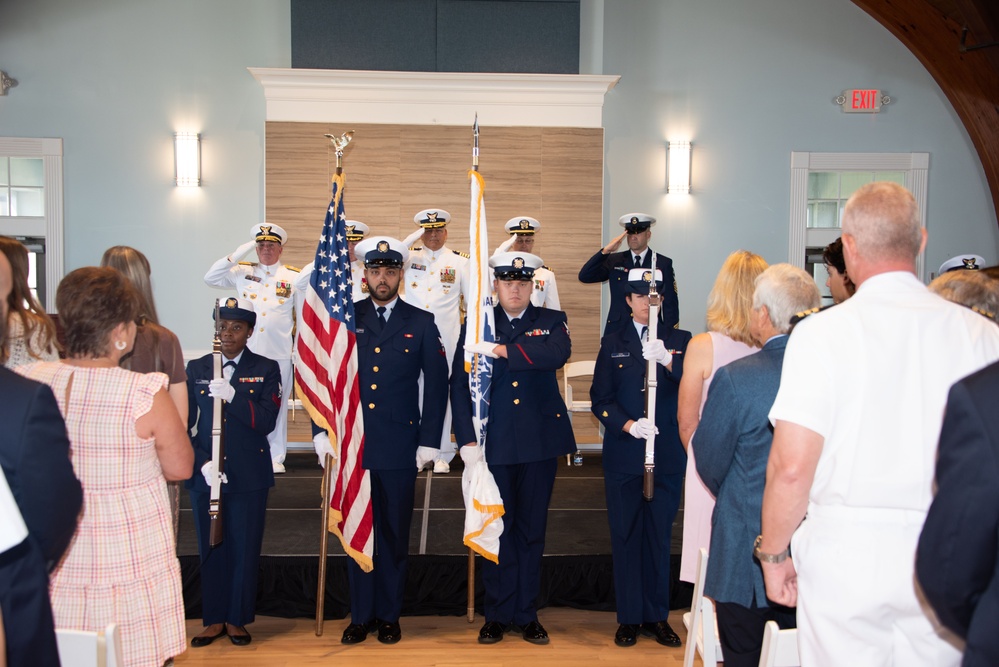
(662, 632)
(626, 635)
(356, 633)
(198, 642)
(241, 639)
(492, 632)
(535, 633)
(389, 633)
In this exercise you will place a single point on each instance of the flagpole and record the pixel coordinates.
(471, 552)
(339, 143)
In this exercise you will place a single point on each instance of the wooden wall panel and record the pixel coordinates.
(394, 171)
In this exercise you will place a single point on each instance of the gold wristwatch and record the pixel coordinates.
(769, 558)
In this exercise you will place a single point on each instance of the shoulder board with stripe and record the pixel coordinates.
(416, 248)
(247, 263)
(293, 268)
(463, 254)
(545, 266)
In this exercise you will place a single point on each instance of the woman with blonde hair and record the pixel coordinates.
(126, 439)
(31, 334)
(728, 338)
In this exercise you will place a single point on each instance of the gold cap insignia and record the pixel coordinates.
(350, 229)
(432, 217)
(525, 224)
(634, 219)
(383, 246)
(647, 276)
(518, 263)
(231, 302)
(970, 263)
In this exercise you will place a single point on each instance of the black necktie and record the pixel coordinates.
(513, 322)
(381, 315)
(229, 363)
(645, 334)
(638, 261)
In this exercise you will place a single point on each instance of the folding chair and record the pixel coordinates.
(79, 648)
(780, 647)
(700, 621)
(575, 369)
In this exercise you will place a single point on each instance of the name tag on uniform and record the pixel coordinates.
(622, 268)
(537, 332)
(359, 330)
(620, 355)
(202, 382)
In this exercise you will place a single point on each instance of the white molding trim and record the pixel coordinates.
(50, 150)
(434, 98)
(916, 166)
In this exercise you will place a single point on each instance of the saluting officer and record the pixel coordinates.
(396, 342)
(251, 389)
(355, 234)
(274, 289)
(436, 281)
(523, 232)
(608, 265)
(528, 432)
(640, 530)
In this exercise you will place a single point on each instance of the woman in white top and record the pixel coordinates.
(31, 334)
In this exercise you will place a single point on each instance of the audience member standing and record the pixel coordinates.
(274, 289)
(126, 437)
(972, 289)
(42, 500)
(250, 389)
(840, 286)
(856, 424)
(31, 334)
(640, 529)
(728, 338)
(733, 442)
(957, 561)
(613, 267)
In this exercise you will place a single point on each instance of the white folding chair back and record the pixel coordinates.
(700, 621)
(575, 369)
(79, 648)
(780, 647)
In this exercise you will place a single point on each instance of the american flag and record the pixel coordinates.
(483, 504)
(326, 378)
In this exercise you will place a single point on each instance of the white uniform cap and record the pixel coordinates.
(640, 279)
(514, 265)
(382, 251)
(355, 230)
(432, 218)
(522, 225)
(969, 262)
(636, 222)
(268, 232)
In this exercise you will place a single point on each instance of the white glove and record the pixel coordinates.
(412, 238)
(240, 252)
(425, 455)
(321, 441)
(503, 247)
(208, 470)
(643, 429)
(655, 349)
(483, 348)
(470, 454)
(221, 389)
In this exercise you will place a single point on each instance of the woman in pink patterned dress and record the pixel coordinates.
(727, 339)
(126, 441)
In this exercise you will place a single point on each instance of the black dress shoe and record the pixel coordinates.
(198, 642)
(357, 632)
(240, 639)
(535, 633)
(626, 635)
(662, 632)
(389, 633)
(491, 632)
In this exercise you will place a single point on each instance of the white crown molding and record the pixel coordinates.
(434, 98)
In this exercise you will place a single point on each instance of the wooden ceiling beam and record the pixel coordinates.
(970, 80)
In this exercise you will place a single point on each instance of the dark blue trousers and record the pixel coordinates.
(27, 614)
(640, 533)
(512, 585)
(378, 594)
(229, 571)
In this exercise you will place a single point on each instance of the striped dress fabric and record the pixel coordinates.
(121, 565)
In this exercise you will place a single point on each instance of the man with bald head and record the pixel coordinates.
(856, 424)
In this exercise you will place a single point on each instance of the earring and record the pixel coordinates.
(120, 345)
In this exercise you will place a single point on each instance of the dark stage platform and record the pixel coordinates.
(576, 568)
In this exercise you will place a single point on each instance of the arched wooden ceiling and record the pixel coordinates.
(958, 43)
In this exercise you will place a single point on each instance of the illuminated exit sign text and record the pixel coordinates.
(859, 100)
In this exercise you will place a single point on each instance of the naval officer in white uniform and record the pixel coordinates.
(436, 279)
(274, 289)
(523, 231)
(355, 234)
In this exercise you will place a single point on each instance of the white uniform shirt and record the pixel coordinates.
(545, 294)
(436, 281)
(360, 288)
(871, 376)
(274, 293)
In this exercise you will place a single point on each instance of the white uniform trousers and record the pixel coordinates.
(857, 602)
(278, 438)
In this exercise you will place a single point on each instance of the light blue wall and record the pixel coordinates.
(749, 82)
(115, 79)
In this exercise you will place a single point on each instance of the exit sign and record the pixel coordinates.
(862, 100)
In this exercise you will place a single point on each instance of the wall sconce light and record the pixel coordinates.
(187, 159)
(678, 168)
(6, 83)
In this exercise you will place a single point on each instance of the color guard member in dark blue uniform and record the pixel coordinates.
(640, 530)
(528, 432)
(611, 266)
(251, 389)
(395, 343)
